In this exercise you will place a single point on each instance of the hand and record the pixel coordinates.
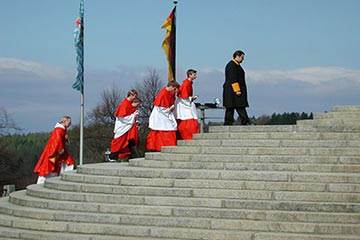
(61, 152)
(238, 93)
(52, 159)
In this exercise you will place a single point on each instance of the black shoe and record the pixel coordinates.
(113, 157)
(134, 152)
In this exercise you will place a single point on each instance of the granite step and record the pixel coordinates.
(270, 143)
(246, 158)
(77, 223)
(108, 214)
(110, 169)
(160, 206)
(337, 115)
(120, 230)
(347, 108)
(280, 135)
(275, 236)
(192, 196)
(214, 184)
(332, 122)
(58, 184)
(344, 168)
(304, 126)
(239, 150)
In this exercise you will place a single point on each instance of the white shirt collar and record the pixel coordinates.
(58, 125)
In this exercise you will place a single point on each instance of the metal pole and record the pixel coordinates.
(81, 128)
(202, 120)
(175, 23)
(81, 153)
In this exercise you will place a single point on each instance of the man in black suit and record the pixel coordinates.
(235, 92)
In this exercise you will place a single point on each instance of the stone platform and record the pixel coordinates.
(286, 182)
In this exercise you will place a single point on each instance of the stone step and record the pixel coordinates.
(121, 230)
(291, 159)
(269, 143)
(20, 198)
(139, 195)
(347, 108)
(118, 219)
(323, 151)
(344, 168)
(107, 212)
(257, 128)
(163, 208)
(303, 127)
(331, 125)
(214, 184)
(110, 169)
(280, 135)
(200, 224)
(275, 236)
(291, 206)
(259, 189)
(175, 221)
(40, 235)
(337, 115)
(41, 192)
(18, 233)
(340, 122)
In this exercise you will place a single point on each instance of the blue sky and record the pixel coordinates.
(306, 50)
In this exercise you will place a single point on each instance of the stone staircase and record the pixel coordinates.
(298, 182)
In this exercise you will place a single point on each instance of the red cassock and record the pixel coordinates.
(126, 129)
(162, 122)
(53, 149)
(186, 113)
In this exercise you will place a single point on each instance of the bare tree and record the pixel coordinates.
(148, 89)
(7, 124)
(103, 113)
(8, 164)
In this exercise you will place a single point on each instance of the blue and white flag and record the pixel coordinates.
(79, 47)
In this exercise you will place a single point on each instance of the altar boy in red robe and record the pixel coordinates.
(186, 113)
(126, 128)
(162, 122)
(55, 158)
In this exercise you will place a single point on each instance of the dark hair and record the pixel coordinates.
(137, 100)
(132, 92)
(190, 71)
(238, 53)
(173, 84)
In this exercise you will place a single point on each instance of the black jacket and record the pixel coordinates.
(234, 73)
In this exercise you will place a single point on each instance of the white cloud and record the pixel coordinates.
(312, 75)
(41, 70)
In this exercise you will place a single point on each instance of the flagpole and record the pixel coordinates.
(175, 4)
(82, 102)
(81, 128)
(79, 83)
